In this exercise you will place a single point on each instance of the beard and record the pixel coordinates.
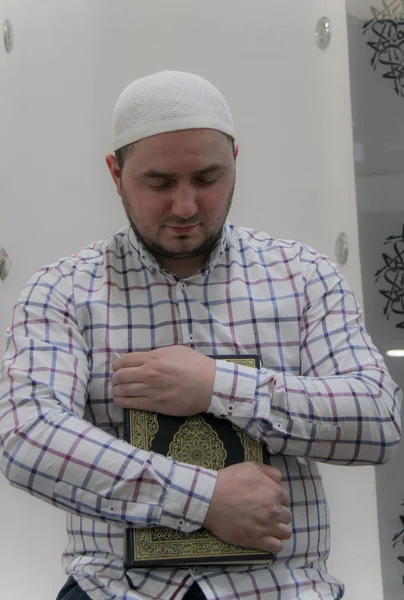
(157, 249)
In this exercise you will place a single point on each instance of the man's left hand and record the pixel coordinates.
(174, 380)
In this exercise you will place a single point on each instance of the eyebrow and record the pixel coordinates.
(153, 173)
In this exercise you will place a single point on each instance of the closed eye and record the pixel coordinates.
(162, 184)
(207, 180)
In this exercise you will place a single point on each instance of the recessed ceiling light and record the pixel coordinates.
(395, 353)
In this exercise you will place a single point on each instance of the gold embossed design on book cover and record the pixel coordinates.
(196, 443)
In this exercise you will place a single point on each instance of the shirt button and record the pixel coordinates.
(191, 337)
(184, 286)
(195, 570)
(180, 523)
(230, 408)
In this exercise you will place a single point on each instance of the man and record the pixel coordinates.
(130, 322)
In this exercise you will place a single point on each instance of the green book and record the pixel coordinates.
(202, 440)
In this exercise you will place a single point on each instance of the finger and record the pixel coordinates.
(285, 499)
(283, 532)
(276, 476)
(285, 515)
(271, 472)
(140, 403)
(270, 544)
(132, 359)
(127, 375)
(129, 390)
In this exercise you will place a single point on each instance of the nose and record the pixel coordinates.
(184, 203)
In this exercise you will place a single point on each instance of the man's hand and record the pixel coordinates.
(174, 380)
(250, 508)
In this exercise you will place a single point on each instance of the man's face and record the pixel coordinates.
(177, 190)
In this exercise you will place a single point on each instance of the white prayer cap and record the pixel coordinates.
(168, 101)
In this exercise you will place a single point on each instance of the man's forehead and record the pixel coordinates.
(198, 138)
(194, 150)
(156, 173)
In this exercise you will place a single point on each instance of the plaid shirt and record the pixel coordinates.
(323, 394)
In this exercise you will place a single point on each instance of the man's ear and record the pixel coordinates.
(236, 149)
(115, 171)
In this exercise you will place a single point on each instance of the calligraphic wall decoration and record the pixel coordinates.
(388, 9)
(398, 539)
(390, 279)
(385, 34)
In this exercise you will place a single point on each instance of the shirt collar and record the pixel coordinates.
(218, 249)
(149, 261)
(144, 255)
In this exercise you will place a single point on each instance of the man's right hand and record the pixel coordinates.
(250, 508)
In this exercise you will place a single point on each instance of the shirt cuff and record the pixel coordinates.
(233, 391)
(188, 497)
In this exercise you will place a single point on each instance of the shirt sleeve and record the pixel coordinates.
(49, 450)
(343, 408)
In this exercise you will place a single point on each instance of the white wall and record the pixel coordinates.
(291, 105)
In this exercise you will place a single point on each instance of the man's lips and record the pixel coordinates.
(181, 229)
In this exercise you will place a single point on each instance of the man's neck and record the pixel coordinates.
(183, 267)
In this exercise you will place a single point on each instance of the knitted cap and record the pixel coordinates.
(168, 101)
